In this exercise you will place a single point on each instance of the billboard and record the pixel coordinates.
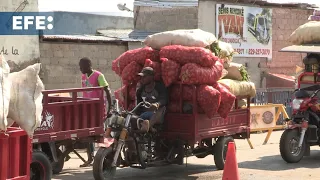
(247, 29)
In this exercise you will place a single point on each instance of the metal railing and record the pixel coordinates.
(276, 96)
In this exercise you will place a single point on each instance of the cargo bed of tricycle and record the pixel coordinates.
(69, 122)
(15, 155)
(196, 127)
(70, 117)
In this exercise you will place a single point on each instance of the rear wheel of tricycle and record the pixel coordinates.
(220, 151)
(102, 169)
(40, 167)
(289, 146)
(58, 166)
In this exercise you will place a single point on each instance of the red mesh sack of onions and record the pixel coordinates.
(187, 92)
(194, 74)
(136, 55)
(184, 55)
(209, 99)
(155, 56)
(119, 94)
(170, 71)
(132, 92)
(130, 73)
(156, 67)
(131, 105)
(227, 101)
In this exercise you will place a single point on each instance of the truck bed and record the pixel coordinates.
(195, 127)
(70, 117)
(15, 155)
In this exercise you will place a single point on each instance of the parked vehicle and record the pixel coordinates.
(181, 135)
(303, 130)
(67, 122)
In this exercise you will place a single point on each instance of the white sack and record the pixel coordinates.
(226, 53)
(239, 88)
(307, 33)
(26, 98)
(184, 37)
(5, 86)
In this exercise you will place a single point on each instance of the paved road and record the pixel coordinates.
(261, 163)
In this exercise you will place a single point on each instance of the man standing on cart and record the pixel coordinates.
(93, 78)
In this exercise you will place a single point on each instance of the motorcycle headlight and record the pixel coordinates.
(115, 120)
(296, 103)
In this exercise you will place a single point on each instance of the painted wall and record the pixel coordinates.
(19, 51)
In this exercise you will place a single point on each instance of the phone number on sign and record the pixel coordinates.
(259, 51)
(239, 51)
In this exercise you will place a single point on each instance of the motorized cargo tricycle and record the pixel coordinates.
(303, 128)
(179, 136)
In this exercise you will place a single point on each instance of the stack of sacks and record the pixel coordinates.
(234, 76)
(181, 56)
(308, 33)
(21, 98)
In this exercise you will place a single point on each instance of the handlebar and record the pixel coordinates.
(315, 93)
(143, 103)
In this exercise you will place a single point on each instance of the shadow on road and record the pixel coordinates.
(276, 163)
(171, 172)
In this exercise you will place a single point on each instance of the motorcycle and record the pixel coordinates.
(303, 129)
(125, 145)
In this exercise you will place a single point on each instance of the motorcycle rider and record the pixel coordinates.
(156, 94)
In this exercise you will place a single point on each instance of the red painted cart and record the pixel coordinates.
(197, 129)
(67, 122)
(15, 155)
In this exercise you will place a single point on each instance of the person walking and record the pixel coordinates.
(93, 78)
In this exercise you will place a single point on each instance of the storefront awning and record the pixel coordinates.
(279, 81)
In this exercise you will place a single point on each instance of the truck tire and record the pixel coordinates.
(40, 167)
(58, 166)
(220, 151)
(102, 169)
(289, 146)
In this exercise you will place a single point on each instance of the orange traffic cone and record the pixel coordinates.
(230, 171)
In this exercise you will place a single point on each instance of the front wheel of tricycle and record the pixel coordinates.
(289, 142)
(102, 169)
(220, 151)
(40, 167)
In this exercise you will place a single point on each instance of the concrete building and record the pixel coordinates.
(156, 16)
(60, 57)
